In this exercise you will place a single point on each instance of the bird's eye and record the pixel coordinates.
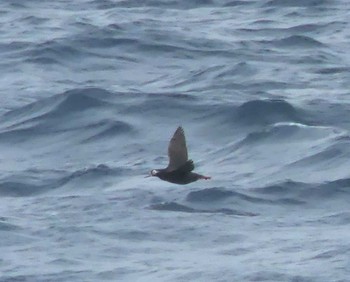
(153, 172)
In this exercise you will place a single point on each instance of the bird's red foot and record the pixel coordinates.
(205, 177)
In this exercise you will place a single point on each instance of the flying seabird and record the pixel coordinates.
(179, 169)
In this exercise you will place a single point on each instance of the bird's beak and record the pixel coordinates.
(148, 176)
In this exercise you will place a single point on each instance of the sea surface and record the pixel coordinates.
(91, 92)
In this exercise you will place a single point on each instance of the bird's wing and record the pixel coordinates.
(177, 150)
(186, 168)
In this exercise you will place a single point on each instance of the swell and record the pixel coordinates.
(294, 30)
(99, 114)
(298, 41)
(69, 111)
(110, 129)
(60, 104)
(107, 41)
(296, 3)
(307, 192)
(292, 132)
(337, 152)
(28, 184)
(176, 207)
(250, 113)
(283, 194)
(6, 226)
(60, 52)
(211, 195)
(267, 112)
(174, 4)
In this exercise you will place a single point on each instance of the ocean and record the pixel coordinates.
(93, 90)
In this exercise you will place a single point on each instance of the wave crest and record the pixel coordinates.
(267, 112)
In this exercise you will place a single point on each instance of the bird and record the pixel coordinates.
(179, 169)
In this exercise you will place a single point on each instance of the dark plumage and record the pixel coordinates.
(179, 169)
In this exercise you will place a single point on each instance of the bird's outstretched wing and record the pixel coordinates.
(177, 150)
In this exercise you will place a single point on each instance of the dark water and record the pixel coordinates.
(92, 91)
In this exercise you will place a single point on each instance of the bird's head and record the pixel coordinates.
(154, 172)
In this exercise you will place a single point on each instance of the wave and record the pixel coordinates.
(211, 195)
(242, 69)
(19, 189)
(53, 52)
(109, 129)
(267, 112)
(296, 3)
(292, 132)
(71, 101)
(175, 207)
(333, 70)
(339, 183)
(73, 109)
(23, 185)
(98, 171)
(14, 47)
(338, 218)
(107, 42)
(6, 226)
(306, 192)
(236, 3)
(69, 111)
(299, 32)
(174, 4)
(167, 105)
(79, 100)
(298, 41)
(317, 158)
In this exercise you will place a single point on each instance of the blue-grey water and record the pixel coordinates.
(91, 93)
